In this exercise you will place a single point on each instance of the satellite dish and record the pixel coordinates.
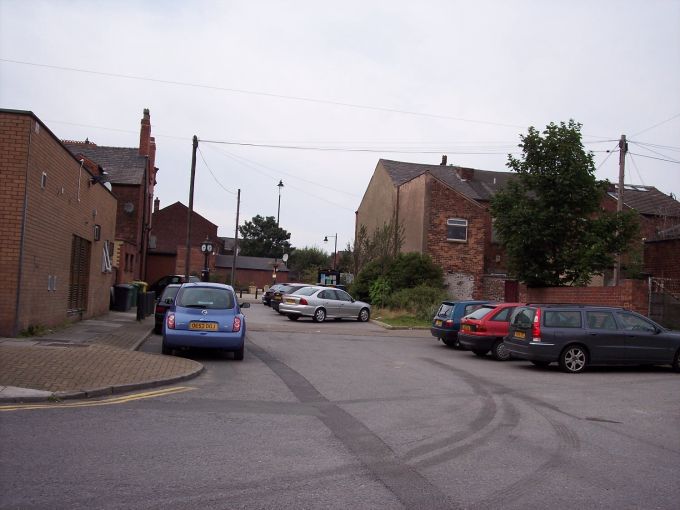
(285, 257)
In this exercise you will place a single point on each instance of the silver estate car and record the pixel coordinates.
(320, 303)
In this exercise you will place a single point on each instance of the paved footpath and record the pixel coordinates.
(90, 358)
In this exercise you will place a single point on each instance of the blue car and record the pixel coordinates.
(446, 322)
(206, 316)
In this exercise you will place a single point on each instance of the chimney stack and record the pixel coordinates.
(145, 134)
(444, 159)
(156, 204)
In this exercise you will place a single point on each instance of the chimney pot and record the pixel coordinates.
(156, 204)
(444, 158)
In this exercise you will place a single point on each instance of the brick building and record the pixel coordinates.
(444, 211)
(132, 174)
(57, 227)
(167, 249)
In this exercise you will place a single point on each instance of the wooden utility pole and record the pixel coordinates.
(623, 149)
(233, 263)
(191, 208)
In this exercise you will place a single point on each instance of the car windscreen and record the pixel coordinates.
(306, 291)
(205, 297)
(444, 310)
(169, 293)
(479, 313)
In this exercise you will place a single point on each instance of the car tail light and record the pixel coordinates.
(171, 321)
(303, 301)
(536, 327)
(237, 325)
(159, 309)
(448, 323)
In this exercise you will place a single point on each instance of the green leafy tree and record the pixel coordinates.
(409, 270)
(548, 217)
(261, 237)
(306, 262)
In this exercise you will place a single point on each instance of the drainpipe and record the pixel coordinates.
(396, 222)
(22, 242)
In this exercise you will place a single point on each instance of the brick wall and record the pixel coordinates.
(631, 294)
(67, 205)
(456, 257)
(662, 258)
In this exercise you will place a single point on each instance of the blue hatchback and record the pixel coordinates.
(207, 316)
(446, 322)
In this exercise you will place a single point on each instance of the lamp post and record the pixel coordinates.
(278, 210)
(335, 250)
(206, 248)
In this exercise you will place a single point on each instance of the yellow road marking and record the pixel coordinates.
(105, 402)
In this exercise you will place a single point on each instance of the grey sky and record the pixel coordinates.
(614, 66)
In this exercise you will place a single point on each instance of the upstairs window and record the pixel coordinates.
(456, 229)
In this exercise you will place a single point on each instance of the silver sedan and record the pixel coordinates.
(320, 303)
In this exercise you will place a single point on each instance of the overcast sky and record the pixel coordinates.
(403, 80)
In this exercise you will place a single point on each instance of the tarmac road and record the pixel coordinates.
(348, 415)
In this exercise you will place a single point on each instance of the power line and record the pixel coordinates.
(612, 151)
(262, 94)
(637, 169)
(213, 174)
(659, 159)
(658, 124)
(653, 151)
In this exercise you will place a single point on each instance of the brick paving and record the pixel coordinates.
(88, 358)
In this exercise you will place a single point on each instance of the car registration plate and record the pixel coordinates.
(437, 323)
(203, 326)
(290, 300)
(467, 327)
(520, 334)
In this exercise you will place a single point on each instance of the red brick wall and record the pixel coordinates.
(631, 294)
(68, 205)
(244, 277)
(170, 228)
(455, 256)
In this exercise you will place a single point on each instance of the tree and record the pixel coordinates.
(548, 218)
(306, 262)
(262, 237)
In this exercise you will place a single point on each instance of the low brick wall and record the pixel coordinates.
(630, 294)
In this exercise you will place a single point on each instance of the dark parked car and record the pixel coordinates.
(484, 329)
(446, 322)
(576, 336)
(269, 293)
(208, 316)
(287, 288)
(164, 302)
(163, 282)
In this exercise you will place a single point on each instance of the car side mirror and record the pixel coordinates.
(244, 305)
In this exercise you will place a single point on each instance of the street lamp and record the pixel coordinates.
(278, 211)
(335, 250)
(206, 248)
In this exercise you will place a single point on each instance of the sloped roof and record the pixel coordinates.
(482, 186)
(242, 262)
(124, 165)
(647, 200)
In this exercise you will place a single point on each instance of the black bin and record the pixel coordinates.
(123, 295)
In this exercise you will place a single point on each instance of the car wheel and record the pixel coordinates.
(319, 315)
(293, 317)
(574, 359)
(479, 352)
(499, 351)
(454, 344)
(166, 350)
(364, 315)
(676, 361)
(540, 364)
(238, 355)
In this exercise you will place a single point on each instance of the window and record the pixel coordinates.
(43, 180)
(456, 229)
(471, 308)
(563, 319)
(80, 272)
(203, 297)
(633, 322)
(503, 315)
(106, 258)
(480, 312)
(600, 320)
(342, 295)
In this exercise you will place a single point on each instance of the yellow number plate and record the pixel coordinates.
(290, 300)
(203, 326)
(437, 323)
(520, 334)
(466, 327)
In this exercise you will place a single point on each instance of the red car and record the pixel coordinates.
(484, 329)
